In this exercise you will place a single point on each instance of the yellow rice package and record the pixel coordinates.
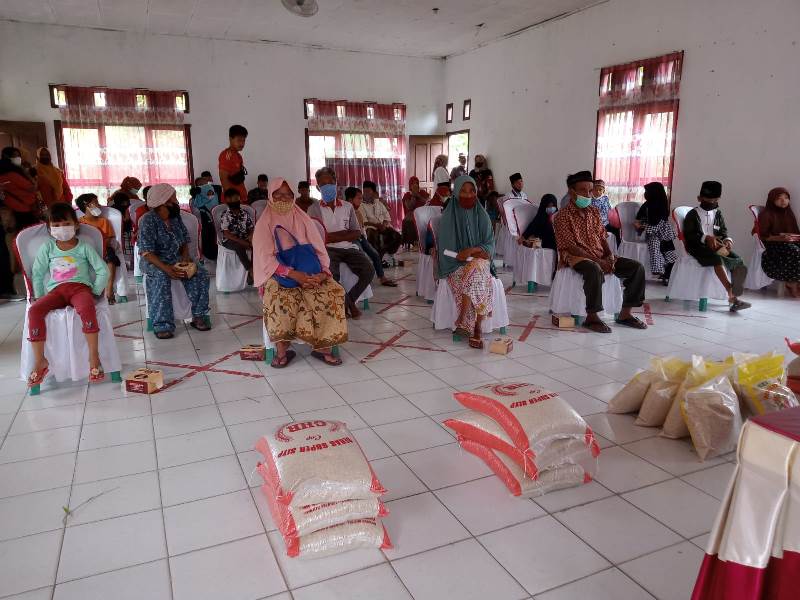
(761, 383)
(668, 373)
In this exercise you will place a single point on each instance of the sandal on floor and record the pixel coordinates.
(597, 327)
(96, 375)
(389, 283)
(165, 335)
(631, 322)
(476, 343)
(35, 378)
(282, 363)
(199, 324)
(328, 359)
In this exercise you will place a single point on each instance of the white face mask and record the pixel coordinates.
(63, 233)
(17, 160)
(95, 211)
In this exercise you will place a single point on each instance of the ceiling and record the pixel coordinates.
(403, 27)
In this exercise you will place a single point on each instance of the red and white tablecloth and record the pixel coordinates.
(754, 549)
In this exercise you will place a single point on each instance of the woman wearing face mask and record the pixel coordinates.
(51, 181)
(19, 188)
(652, 218)
(204, 200)
(291, 265)
(164, 241)
(466, 230)
(131, 186)
(541, 228)
(778, 230)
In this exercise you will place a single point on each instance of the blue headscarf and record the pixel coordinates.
(204, 201)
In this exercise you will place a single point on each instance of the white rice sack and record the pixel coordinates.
(364, 533)
(316, 462)
(712, 414)
(531, 416)
(480, 428)
(629, 399)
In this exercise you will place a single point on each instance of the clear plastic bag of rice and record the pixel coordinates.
(668, 373)
(630, 398)
(712, 415)
(315, 462)
(363, 533)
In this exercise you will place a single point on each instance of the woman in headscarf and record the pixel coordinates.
(466, 230)
(777, 227)
(412, 200)
(302, 303)
(541, 228)
(653, 219)
(204, 200)
(52, 183)
(440, 172)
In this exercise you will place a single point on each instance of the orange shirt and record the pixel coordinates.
(231, 162)
(103, 225)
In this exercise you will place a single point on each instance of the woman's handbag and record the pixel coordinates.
(300, 257)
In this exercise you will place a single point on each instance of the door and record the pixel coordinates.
(423, 150)
(28, 136)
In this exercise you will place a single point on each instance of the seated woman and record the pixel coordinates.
(164, 241)
(466, 230)
(203, 201)
(778, 230)
(541, 228)
(653, 219)
(412, 200)
(301, 299)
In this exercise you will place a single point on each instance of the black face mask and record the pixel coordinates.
(234, 205)
(707, 205)
(174, 211)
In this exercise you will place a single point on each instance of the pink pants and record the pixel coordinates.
(77, 295)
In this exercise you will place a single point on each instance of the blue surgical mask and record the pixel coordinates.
(328, 192)
(550, 210)
(134, 191)
(582, 201)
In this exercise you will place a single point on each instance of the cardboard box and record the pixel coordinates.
(563, 321)
(501, 345)
(252, 352)
(189, 268)
(144, 381)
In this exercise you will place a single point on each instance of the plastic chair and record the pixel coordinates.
(231, 274)
(347, 278)
(756, 278)
(633, 245)
(65, 349)
(259, 206)
(426, 282)
(688, 280)
(121, 275)
(567, 295)
(533, 265)
(132, 210)
(507, 243)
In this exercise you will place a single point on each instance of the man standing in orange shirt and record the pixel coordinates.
(231, 165)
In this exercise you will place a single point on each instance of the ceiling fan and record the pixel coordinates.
(302, 8)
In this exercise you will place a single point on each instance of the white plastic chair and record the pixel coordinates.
(501, 239)
(137, 270)
(688, 280)
(507, 243)
(633, 245)
(347, 278)
(259, 206)
(533, 265)
(426, 282)
(121, 275)
(231, 274)
(756, 278)
(65, 349)
(567, 295)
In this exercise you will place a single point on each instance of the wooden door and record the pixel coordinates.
(423, 150)
(28, 136)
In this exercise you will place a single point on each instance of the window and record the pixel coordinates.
(398, 114)
(636, 125)
(182, 102)
(141, 101)
(308, 109)
(370, 112)
(340, 111)
(58, 96)
(467, 109)
(100, 99)
(448, 113)
(457, 143)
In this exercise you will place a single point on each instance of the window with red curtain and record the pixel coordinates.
(636, 125)
(108, 134)
(360, 141)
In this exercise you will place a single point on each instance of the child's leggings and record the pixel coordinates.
(77, 295)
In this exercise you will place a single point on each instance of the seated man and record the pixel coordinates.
(353, 196)
(89, 205)
(707, 240)
(260, 191)
(582, 245)
(237, 230)
(304, 199)
(343, 231)
(378, 222)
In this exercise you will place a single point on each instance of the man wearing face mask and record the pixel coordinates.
(343, 231)
(706, 237)
(582, 245)
(164, 241)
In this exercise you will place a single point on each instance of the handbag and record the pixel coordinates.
(300, 257)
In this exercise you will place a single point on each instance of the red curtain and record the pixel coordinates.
(636, 125)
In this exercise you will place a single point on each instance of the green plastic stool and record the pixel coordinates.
(116, 377)
(578, 320)
(703, 304)
(457, 338)
(366, 304)
(122, 299)
(149, 324)
(269, 355)
(531, 287)
(138, 279)
(503, 330)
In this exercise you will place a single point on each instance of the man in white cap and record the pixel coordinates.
(164, 241)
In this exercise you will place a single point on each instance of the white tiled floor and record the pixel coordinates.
(173, 511)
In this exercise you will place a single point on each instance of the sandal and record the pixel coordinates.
(597, 327)
(328, 359)
(389, 283)
(476, 343)
(282, 363)
(165, 335)
(96, 375)
(35, 378)
(631, 322)
(199, 324)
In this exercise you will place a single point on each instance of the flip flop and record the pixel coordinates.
(96, 375)
(165, 335)
(36, 378)
(597, 327)
(199, 325)
(324, 358)
(287, 358)
(476, 343)
(631, 322)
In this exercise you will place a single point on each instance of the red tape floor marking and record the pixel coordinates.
(393, 304)
(528, 328)
(250, 319)
(195, 369)
(390, 343)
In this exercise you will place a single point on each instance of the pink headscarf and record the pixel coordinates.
(298, 223)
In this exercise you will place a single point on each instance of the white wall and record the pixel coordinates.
(534, 96)
(260, 86)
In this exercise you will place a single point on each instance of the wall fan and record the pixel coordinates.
(302, 8)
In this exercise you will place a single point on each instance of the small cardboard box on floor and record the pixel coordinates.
(563, 321)
(252, 352)
(144, 381)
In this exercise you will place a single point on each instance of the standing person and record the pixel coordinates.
(378, 222)
(484, 178)
(231, 165)
(343, 231)
(354, 196)
(69, 262)
(20, 190)
(582, 246)
(260, 191)
(412, 200)
(304, 199)
(204, 201)
(706, 237)
(440, 169)
(92, 215)
(52, 183)
(777, 227)
(122, 203)
(653, 219)
(461, 169)
(237, 231)
(601, 202)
